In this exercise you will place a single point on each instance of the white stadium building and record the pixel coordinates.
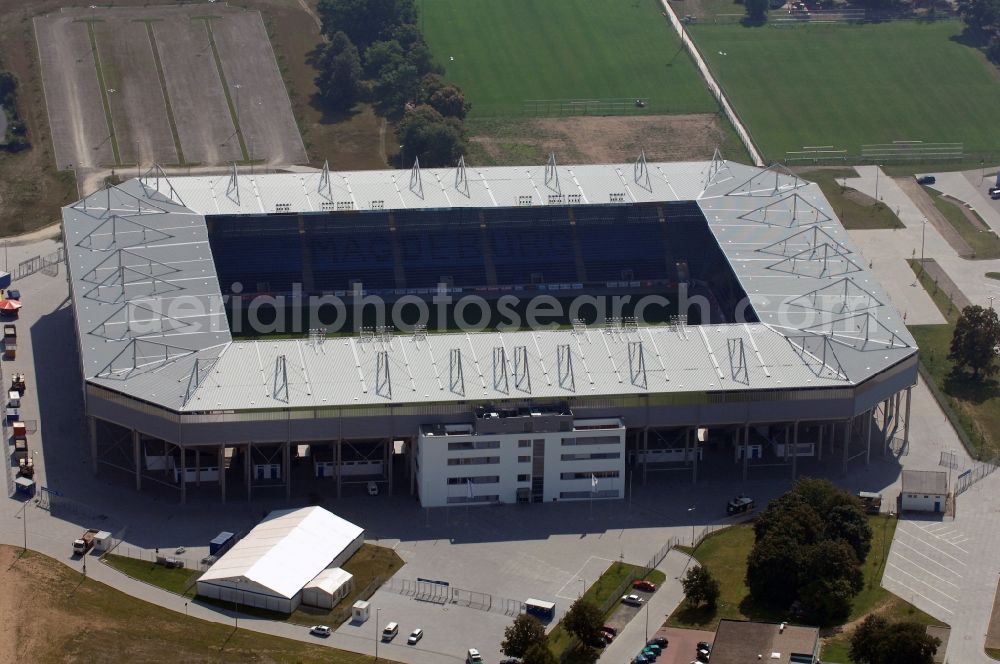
(771, 344)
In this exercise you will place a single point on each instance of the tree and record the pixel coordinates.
(584, 621)
(830, 560)
(450, 102)
(770, 570)
(8, 89)
(826, 601)
(756, 10)
(850, 524)
(436, 140)
(365, 21)
(538, 653)
(864, 641)
(394, 88)
(339, 80)
(877, 641)
(700, 586)
(907, 643)
(524, 633)
(976, 338)
(383, 56)
(982, 17)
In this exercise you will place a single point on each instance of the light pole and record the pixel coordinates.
(402, 157)
(982, 171)
(583, 586)
(991, 309)
(647, 621)
(878, 167)
(237, 599)
(923, 233)
(185, 609)
(377, 623)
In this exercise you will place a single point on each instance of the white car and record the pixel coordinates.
(372, 489)
(634, 600)
(415, 636)
(319, 630)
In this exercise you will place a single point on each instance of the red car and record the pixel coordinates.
(643, 584)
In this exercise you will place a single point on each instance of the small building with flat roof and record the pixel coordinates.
(924, 491)
(741, 642)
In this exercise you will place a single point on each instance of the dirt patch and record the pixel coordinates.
(586, 140)
(923, 201)
(993, 633)
(39, 624)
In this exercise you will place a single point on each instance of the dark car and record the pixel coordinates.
(661, 641)
(740, 504)
(926, 179)
(704, 649)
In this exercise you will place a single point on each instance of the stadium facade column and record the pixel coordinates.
(197, 467)
(92, 429)
(819, 452)
(788, 432)
(795, 449)
(906, 421)
(183, 456)
(645, 452)
(286, 461)
(847, 442)
(246, 470)
(885, 426)
(222, 470)
(868, 449)
(694, 453)
(137, 458)
(390, 453)
(746, 451)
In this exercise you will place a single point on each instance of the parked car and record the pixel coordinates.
(995, 193)
(740, 504)
(319, 630)
(372, 489)
(650, 655)
(643, 584)
(633, 600)
(661, 641)
(607, 636)
(610, 629)
(926, 179)
(415, 636)
(704, 650)
(473, 657)
(640, 659)
(652, 647)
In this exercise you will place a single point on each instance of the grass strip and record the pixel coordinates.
(225, 89)
(104, 93)
(850, 205)
(166, 95)
(174, 580)
(984, 243)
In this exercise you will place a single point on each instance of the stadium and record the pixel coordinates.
(479, 335)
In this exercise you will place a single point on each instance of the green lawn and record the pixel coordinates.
(847, 85)
(725, 555)
(509, 51)
(855, 210)
(976, 406)
(178, 581)
(607, 586)
(984, 243)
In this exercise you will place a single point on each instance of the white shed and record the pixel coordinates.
(360, 611)
(269, 567)
(329, 587)
(924, 491)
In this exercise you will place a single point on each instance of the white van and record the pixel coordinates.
(390, 631)
(473, 657)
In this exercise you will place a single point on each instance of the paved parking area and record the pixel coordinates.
(682, 644)
(927, 561)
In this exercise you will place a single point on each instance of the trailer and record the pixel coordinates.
(9, 341)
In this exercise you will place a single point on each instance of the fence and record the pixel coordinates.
(136, 553)
(48, 264)
(978, 471)
(563, 107)
(440, 592)
(713, 85)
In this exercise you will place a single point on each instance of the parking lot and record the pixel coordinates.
(927, 563)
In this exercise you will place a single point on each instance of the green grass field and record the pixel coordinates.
(847, 85)
(508, 51)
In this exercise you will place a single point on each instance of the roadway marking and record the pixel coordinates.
(576, 577)
(924, 570)
(921, 553)
(889, 578)
(940, 534)
(937, 549)
(919, 580)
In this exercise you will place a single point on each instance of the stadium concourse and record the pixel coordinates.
(770, 344)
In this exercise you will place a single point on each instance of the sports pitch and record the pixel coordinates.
(509, 51)
(848, 85)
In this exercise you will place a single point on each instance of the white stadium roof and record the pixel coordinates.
(824, 320)
(285, 551)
